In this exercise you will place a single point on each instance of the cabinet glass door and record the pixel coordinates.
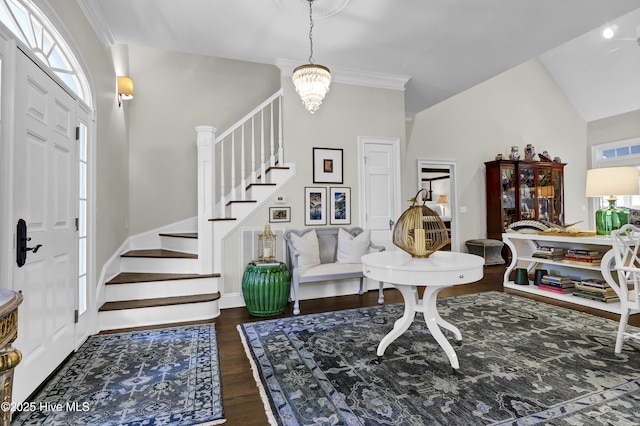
(558, 213)
(527, 193)
(508, 176)
(546, 195)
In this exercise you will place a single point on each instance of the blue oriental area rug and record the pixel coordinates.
(521, 363)
(167, 376)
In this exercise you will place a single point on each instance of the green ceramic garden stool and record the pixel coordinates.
(266, 289)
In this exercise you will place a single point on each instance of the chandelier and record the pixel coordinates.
(311, 80)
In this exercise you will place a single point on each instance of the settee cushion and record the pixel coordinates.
(350, 248)
(330, 270)
(307, 246)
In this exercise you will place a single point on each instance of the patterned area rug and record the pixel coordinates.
(168, 376)
(521, 362)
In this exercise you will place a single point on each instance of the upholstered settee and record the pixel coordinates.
(326, 254)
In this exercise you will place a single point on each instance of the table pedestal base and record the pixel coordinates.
(412, 304)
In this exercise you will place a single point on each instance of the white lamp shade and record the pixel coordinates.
(608, 181)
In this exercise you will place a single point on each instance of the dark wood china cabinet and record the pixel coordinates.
(523, 190)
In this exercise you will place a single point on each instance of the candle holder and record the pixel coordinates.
(267, 245)
(419, 231)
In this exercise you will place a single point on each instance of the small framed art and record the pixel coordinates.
(315, 210)
(279, 214)
(327, 165)
(340, 205)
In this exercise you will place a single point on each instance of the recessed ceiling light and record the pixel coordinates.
(610, 31)
(607, 33)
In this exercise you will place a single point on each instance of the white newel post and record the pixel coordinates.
(206, 193)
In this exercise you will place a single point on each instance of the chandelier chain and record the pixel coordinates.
(311, 31)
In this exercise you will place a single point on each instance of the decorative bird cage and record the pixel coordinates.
(267, 245)
(419, 231)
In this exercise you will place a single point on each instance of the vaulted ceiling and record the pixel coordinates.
(443, 46)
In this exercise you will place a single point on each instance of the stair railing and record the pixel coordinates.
(230, 162)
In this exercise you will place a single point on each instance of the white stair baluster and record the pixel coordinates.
(280, 149)
(233, 167)
(243, 176)
(222, 192)
(272, 141)
(253, 150)
(263, 172)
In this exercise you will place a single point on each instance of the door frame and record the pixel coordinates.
(395, 145)
(9, 46)
(453, 199)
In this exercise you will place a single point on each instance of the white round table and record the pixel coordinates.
(440, 270)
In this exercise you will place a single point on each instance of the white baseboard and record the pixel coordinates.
(309, 291)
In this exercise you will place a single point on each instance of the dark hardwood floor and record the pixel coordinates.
(241, 398)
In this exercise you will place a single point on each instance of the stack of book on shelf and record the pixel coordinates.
(550, 253)
(582, 257)
(595, 289)
(557, 284)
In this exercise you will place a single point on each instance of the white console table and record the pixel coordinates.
(524, 245)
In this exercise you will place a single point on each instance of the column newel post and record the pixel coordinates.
(206, 195)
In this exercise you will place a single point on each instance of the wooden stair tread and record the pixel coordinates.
(241, 201)
(160, 253)
(260, 184)
(180, 234)
(140, 277)
(273, 168)
(163, 301)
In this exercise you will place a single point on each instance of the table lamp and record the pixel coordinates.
(611, 181)
(443, 201)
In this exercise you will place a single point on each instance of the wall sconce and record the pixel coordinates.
(125, 89)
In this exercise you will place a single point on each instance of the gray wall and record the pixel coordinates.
(174, 93)
(520, 106)
(611, 129)
(347, 112)
(112, 134)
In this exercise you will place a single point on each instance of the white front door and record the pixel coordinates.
(45, 164)
(380, 187)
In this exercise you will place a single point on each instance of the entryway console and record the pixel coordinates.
(523, 247)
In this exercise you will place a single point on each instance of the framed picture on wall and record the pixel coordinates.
(327, 165)
(279, 214)
(315, 205)
(340, 205)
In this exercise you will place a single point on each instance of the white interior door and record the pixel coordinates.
(428, 170)
(45, 164)
(380, 187)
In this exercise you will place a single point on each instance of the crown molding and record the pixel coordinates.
(350, 76)
(96, 19)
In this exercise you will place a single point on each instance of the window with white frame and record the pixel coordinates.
(32, 27)
(614, 154)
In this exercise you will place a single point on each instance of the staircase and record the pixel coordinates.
(174, 275)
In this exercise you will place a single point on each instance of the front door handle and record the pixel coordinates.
(21, 243)
(33, 249)
(391, 223)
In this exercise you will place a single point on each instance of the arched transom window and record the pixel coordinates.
(31, 27)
